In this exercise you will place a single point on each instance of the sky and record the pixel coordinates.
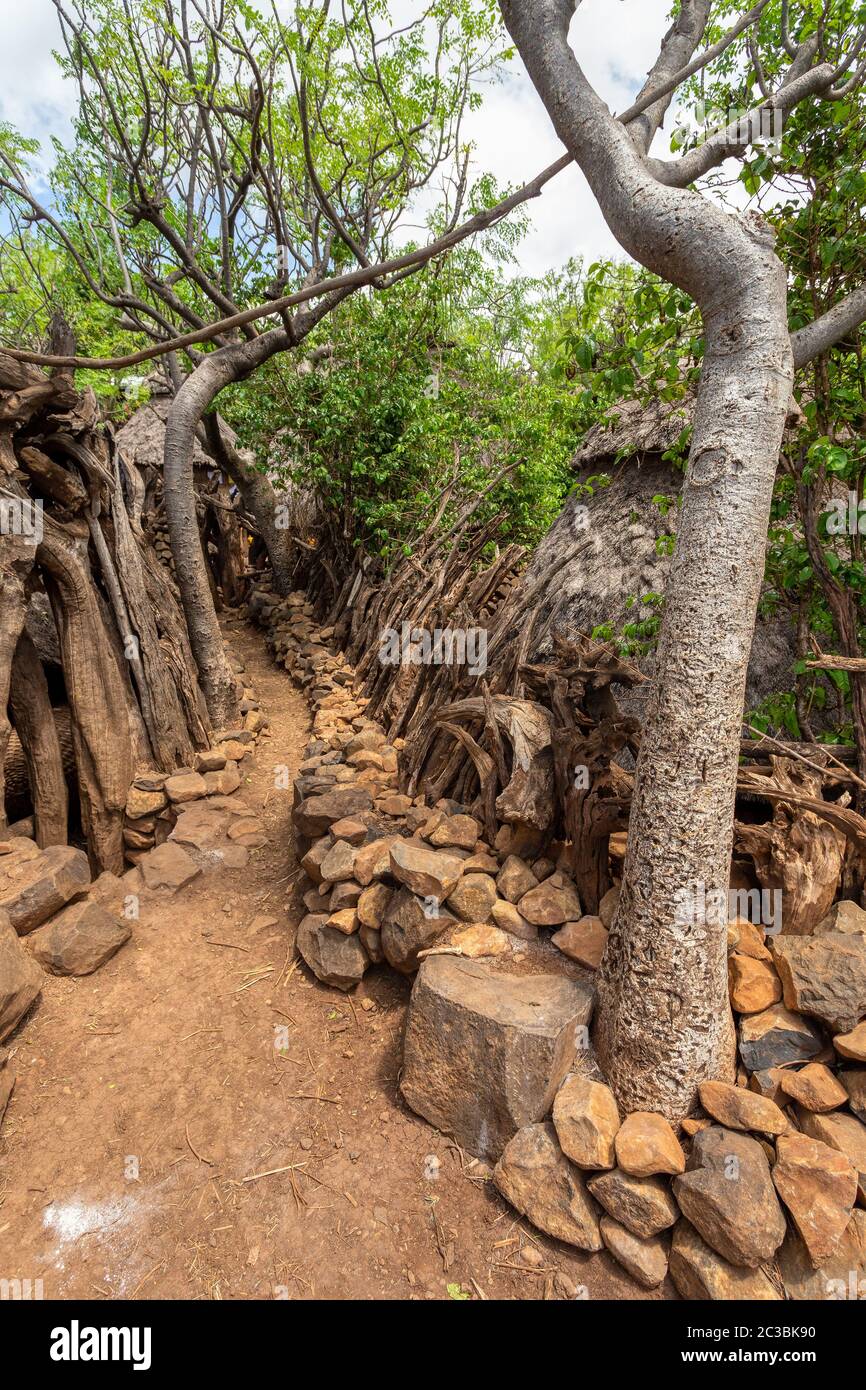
(617, 41)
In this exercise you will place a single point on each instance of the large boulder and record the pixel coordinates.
(728, 1196)
(485, 1051)
(79, 939)
(35, 886)
(20, 979)
(537, 1179)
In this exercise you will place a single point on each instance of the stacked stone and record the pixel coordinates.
(761, 1195)
(53, 917)
(157, 799)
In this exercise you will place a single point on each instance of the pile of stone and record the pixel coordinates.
(761, 1193)
(158, 800)
(387, 876)
(52, 918)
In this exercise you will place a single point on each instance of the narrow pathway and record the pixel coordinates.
(201, 1119)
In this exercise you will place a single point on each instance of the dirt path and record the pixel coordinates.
(152, 1097)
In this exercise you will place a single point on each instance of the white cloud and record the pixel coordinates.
(617, 41)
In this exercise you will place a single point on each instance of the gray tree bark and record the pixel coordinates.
(663, 1018)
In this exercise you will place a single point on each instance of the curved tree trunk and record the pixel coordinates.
(193, 400)
(663, 1020)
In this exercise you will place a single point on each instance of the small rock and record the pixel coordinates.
(540, 1183)
(409, 926)
(20, 979)
(739, 1109)
(608, 906)
(844, 1133)
(141, 803)
(316, 814)
(583, 941)
(700, 1274)
(824, 976)
(646, 1144)
(814, 1087)
(750, 939)
(338, 864)
(373, 861)
(34, 885)
(333, 957)
(728, 1196)
(776, 1037)
(428, 873)
(353, 831)
(456, 832)
(852, 1045)
(480, 940)
(507, 918)
(185, 786)
(819, 1188)
(473, 898)
(223, 782)
(79, 939)
(344, 894)
(167, 868)
(515, 878)
(345, 921)
(854, 1082)
(844, 916)
(644, 1205)
(550, 905)
(586, 1120)
(753, 984)
(212, 760)
(645, 1260)
(373, 905)
(841, 1277)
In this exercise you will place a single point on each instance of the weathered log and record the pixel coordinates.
(34, 724)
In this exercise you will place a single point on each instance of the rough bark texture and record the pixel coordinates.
(663, 1021)
(40, 743)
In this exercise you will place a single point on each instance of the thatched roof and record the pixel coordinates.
(142, 438)
(633, 429)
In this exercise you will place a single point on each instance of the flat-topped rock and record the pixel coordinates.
(485, 1050)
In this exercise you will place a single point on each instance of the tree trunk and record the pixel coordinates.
(260, 501)
(663, 1018)
(194, 399)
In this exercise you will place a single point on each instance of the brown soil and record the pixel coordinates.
(166, 1062)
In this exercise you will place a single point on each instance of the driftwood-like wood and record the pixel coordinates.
(132, 686)
(40, 744)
